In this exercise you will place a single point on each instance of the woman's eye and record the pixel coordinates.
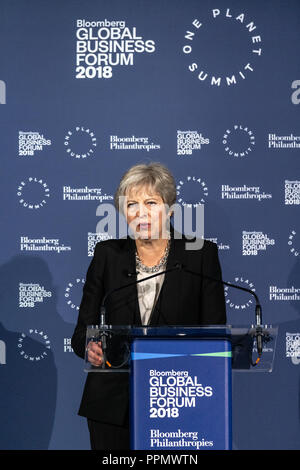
(132, 204)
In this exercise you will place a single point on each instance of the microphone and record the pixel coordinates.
(258, 310)
(111, 291)
(177, 265)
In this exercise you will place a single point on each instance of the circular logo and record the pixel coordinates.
(74, 290)
(294, 251)
(231, 293)
(191, 192)
(33, 193)
(222, 47)
(238, 141)
(80, 142)
(32, 351)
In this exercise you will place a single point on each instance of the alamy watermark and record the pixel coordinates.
(136, 217)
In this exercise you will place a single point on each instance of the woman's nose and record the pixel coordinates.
(142, 210)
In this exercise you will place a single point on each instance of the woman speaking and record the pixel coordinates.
(178, 297)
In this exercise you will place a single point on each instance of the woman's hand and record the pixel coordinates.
(95, 353)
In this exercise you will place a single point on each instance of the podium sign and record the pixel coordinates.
(180, 394)
(180, 378)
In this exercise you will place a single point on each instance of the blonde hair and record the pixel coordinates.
(154, 175)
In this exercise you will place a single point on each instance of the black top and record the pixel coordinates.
(184, 299)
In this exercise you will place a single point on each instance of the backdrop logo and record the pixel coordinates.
(291, 243)
(228, 291)
(67, 345)
(254, 242)
(217, 65)
(30, 142)
(292, 192)
(30, 294)
(2, 352)
(103, 45)
(132, 143)
(33, 193)
(293, 345)
(85, 194)
(42, 244)
(74, 290)
(238, 141)
(187, 141)
(80, 142)
(191, 192)
(221, 246)
(284, 293)
(31, 353)
(243, 192)
(94, 238)
(295, 97)
(283, 141)
(2, 92)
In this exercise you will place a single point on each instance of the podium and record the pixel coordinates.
(180, 379)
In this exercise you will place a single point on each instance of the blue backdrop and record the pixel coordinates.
(89, 88)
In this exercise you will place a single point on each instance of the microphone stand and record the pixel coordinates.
(103, 308)
(258, 310)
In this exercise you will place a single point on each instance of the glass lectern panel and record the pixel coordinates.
(116, 343)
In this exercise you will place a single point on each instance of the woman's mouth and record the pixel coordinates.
(144, 226)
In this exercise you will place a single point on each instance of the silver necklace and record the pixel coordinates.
(152, 269)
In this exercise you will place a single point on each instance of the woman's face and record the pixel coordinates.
(145, 212)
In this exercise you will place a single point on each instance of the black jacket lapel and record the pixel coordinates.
(131, 291)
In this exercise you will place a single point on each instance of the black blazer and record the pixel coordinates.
(185, 299)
